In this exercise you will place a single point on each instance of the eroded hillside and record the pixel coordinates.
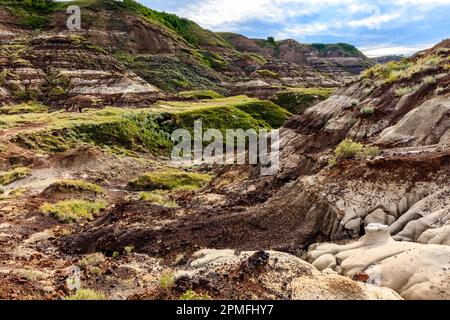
(91, 195)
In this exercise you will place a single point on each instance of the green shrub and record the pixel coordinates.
(94, 259)
(332, 161)
(348, 149)
(87, 294)
(157, 198)
(268, 74)
(170, 180)
(371, 152)
(3, 76)
(73, 210)
(367, 111)
(407, 90)
(56, 92)
(128, 250)
(429, 80)
(13, 175)
(167, 280)
(192, 295)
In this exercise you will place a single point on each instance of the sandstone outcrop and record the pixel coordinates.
(277, 275)
(415, 271)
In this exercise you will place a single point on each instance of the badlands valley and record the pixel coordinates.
(91, 207)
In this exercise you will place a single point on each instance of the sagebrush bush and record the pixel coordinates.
(192, 295)
(9, 177)
(87, 294)
(371, 152)
(367, 111)
(348, 149)
(406, 90)
(167, 280)
(429, 80)
(92, 260)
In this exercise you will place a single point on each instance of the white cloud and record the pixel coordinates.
(387, 50)
(306, 30)
(374, 22)
(218, 14)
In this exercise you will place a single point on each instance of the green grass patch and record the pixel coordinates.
(192, 295)
(266, 112)
(140, 130)
(158, 198)
(29, 107)
(347, 49)
(87, 294)
(69, 211)
(298, 100)
(136, 130)
(200, 94)
(79, 185)
(9, 177)
(394, 71)
(227, 113)
(268, 74)
(170, 180)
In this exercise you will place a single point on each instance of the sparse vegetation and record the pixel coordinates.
(167, 280)
(187, 29)
(69, 211)
(268, 74)
(371, 151)
(90, 260)
(367, 111)
(201, 94)
(79, 185)
(87, 294)
(158, 198)
(297, 100)
(407, 90)
(13, 175)
(170, 180)
(429, 80)
(192, 295)
(348, 149)
(128, 250)
(29, 107)
(332, 161)
(393, 71)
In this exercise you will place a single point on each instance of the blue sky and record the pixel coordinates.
(376, 27)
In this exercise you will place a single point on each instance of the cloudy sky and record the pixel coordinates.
(377, 27)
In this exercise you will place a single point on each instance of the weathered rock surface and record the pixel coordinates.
(277, 275)
(416, 271)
